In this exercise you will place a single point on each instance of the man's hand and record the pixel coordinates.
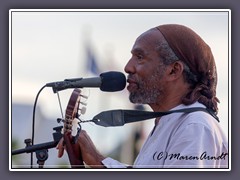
(88, 151)
(73, 150)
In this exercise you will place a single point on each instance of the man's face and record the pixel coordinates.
(146, 70)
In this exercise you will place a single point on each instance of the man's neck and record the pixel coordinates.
(161, 107)
(172, 98)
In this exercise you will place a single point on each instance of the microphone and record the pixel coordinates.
(108, 81)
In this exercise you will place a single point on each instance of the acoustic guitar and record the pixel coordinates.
(71, 130)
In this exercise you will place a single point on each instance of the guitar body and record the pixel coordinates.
(73, 149)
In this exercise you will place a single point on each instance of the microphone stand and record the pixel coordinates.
(41, 150)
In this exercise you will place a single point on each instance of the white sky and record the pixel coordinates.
(49, 46)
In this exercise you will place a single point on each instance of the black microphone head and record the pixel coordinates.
(112, 81)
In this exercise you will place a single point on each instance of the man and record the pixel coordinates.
(171, 68)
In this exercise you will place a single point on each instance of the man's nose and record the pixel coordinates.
(130, 67)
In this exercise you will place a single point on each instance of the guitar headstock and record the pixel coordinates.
(73, 112)
(72, 125)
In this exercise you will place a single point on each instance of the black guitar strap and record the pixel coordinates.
(121, 117)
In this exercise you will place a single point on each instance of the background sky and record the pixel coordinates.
(51, 46)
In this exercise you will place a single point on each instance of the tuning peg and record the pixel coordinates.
(83, 103)
(83, 110)
(84, 96)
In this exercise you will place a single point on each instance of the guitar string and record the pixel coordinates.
(59, 101)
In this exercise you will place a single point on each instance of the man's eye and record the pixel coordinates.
(139, 57)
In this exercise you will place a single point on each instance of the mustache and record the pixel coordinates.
(132, 78)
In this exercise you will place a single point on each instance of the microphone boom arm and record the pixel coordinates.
(33, 148)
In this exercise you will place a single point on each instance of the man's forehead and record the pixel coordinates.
(150, 36)
(137, 49)
(147, 40)
(151, 32)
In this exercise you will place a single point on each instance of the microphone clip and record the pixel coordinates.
(61, 85)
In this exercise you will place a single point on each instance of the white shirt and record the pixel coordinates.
(182, 140)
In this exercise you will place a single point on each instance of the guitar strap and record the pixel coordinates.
(121, 117)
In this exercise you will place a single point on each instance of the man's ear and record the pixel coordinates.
(175, 70)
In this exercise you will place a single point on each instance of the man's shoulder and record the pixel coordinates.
(196, 114)
(199, 119)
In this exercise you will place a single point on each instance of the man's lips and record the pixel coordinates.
(131, 81)
(131, 84)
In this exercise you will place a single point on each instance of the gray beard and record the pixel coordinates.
(149, 89)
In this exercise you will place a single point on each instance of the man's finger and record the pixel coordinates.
(60, 148)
